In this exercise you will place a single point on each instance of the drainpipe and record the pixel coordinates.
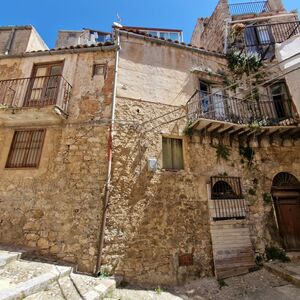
(10, 40)
(110, 156)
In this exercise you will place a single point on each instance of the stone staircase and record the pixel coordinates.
(232, 249)
(30, 280)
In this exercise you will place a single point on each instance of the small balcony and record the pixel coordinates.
(255, 7)
(35, 99)
(260, 38)
(215, 114)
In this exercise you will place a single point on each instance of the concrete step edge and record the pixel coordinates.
(8, 258)
(283, 273)
(34, 285)
(102, 290)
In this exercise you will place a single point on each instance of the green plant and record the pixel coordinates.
(276, 254)
(247, 153)
(104, 273)
(259, 260)
(188, 131)
(267, 198)
(158, 290)
(3, 106)
(222, 151)
(222, 283)
(240, 62)
(252, 192)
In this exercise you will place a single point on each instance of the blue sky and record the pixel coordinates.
(48, 16)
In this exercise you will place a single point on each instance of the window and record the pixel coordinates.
(26, 149)
(172, 154)
(281, 101)
(99, 69)
(44, 84)
(204, 98)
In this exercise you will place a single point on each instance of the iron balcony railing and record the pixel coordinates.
(35, 92)
(226, 194)
(270, 34)
(264, 112)
(255, 7)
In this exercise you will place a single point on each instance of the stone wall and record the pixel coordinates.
(154, 217)
(56, 208)
(214, 34)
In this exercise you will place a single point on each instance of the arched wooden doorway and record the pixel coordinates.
(286, 196)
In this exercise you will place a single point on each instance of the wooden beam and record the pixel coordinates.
(216, 129)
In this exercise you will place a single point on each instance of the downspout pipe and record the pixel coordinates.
(110, 156)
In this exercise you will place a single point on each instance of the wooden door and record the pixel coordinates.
(288, 216)
(44, 85)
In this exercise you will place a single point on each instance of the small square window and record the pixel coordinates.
(99, 69)
(172, 154)
(26, 148)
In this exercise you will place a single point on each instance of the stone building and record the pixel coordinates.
(203, 170)
(55, 108)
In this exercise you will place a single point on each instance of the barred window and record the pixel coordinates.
(172, 154)
(26, 148)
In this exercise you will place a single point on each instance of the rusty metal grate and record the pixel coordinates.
(26, 149)
(229, 203)
(186, 259)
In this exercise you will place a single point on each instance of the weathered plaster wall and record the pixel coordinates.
(154, 217)
(159, 73)
(290, 54)
(56, 208)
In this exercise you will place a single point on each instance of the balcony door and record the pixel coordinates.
(44, 85)
(281, 102)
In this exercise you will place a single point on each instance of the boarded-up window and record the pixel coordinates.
(99, 69)
(26, 149)
(172, 154)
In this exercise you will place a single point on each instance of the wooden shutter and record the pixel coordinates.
(26, 149)
(172, 154)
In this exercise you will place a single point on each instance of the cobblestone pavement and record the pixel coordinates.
(259, 285)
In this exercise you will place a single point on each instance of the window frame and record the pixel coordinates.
(25, 165)
(182, 153)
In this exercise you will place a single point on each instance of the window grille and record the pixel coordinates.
(26, 149)
(229, 203)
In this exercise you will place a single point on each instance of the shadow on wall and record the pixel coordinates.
(154, 217)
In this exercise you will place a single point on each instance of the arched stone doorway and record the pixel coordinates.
(286, 196)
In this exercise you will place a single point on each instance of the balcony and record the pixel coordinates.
(34, 100)
(217, 115)
(259, 38)
(256, 7)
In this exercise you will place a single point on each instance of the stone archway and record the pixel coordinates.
(286, 196)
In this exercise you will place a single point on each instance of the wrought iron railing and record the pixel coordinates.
(263, 111)
(227, 197)
(269, 34)
(35, 92)
(255, 7)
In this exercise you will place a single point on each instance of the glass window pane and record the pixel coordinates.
(174, 36)
(164, 35)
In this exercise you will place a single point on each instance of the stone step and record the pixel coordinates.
(288, 271)
(7, 257)
(22, 279)
(20, 289)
